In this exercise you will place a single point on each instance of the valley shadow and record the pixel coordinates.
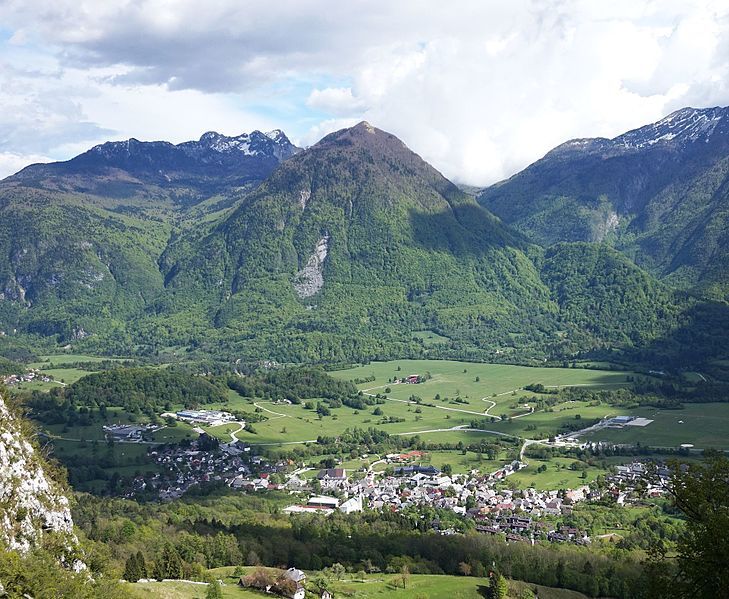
(699, 338)
(465, 229)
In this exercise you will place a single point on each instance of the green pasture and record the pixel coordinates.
(558, 474)
(369, 586)
(496, 382)
(703, 425)
(58, 359)
(295, 423)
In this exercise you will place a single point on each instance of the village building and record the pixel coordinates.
(332, 478)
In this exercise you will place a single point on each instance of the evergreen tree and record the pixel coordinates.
(169, 565)
(131, 569)
(214, 591)
(141, 565)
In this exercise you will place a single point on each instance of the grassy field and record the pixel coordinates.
(293, 423)
(704, 425)
(496, 382)
(557, 476)
(56, 359)
(371, 586)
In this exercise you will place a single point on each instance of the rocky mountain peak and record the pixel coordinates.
(686, 125)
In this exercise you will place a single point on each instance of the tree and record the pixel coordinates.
(701, 493)
(131, 569)
(141, 565)
(498, 588)
(337, 570)
(465, 568)
(258, 579)
(169, 565)
(404, 575)
(214, 590)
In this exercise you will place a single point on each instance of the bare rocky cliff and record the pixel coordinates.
(32, 504)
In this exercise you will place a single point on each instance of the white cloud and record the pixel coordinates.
(335, 100)
(11, 163)
(478, 87)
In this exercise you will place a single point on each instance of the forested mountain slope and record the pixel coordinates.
(349, 247)
(350, 250)
(659, 193)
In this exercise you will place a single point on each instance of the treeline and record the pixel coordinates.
(145, 391)
(665, 394)
(245, 530)
(292, 384)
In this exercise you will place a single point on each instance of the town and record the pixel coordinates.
(481, 499)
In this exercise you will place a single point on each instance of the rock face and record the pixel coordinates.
(310, 279)
(31, 504)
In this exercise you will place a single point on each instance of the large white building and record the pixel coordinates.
(208, 417)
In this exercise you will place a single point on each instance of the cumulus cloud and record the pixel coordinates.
(480, 88)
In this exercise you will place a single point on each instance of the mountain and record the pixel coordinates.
(80, 240)
(660, 194)
(352, 249)
(190, 171)
(354, 244)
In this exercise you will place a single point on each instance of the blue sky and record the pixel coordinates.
(479, 88)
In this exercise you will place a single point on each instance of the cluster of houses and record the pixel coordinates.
(520, 515)
(12, 380)
(522, 529)
(633, 482)
(183, 466)
(528, 513)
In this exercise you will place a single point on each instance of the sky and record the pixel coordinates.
(480, 89)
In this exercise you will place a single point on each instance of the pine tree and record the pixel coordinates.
(169, 565)
(141, 565)
(131, 569)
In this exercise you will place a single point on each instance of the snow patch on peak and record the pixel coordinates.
(685, 125)
(278, 136)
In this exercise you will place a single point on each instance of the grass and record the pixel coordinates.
(57, 359)
(293, 423)
(496, 381)
(429, 337)
(297, 424)
(558, 474)
(703, 425)
(369, 587)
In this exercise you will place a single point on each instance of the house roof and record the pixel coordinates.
(340, 473)
(295, 574)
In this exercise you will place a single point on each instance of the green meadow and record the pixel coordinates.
(369, 586)
(496, 382)
(703, 425)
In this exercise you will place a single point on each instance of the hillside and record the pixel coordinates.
(353, 249)
(351, 246)
(80, 240)
(658, 193)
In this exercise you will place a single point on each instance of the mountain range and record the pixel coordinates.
(355, 248)
(658, 193)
